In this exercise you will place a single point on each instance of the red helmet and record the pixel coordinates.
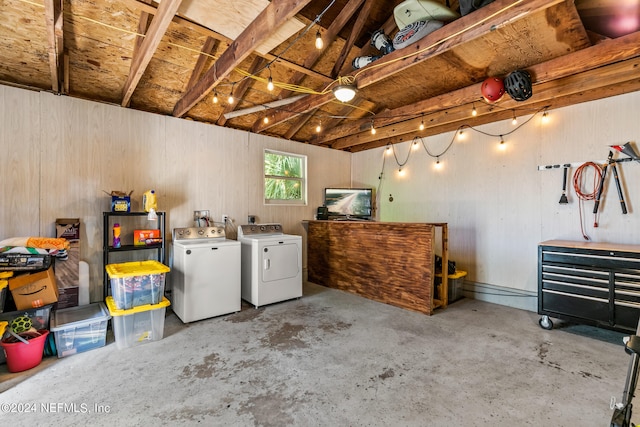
(492, 89)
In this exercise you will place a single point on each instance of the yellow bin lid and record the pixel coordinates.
(139, 309)
(6, 274)
(135, 268)
(3, 284)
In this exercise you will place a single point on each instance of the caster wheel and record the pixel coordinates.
(545, 323)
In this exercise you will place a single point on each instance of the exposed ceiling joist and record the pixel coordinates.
(329, 36)
(463, 30)
(159, 25)
(355, 33)
(605, 53)
(208, 49)
(55, 39)
(268, 21)
(243, 86)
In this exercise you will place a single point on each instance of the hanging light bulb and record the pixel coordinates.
(461, 135)
(319, 127)
(270, 84)
(319, 42)
(474, 112)
(414, 145)
(215, 97)
(422, 123)
(502, 144)
(515, 120)
(388, 149)
(230, 99)
(265, 120)
(438, 165)
(545, 116)
(373, 129)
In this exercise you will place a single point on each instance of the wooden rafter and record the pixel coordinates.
(302, 120)
(463, 30)
(329, 36)
(55, 40)
(363, 16)
(268, 21)
(159, 25)
(605, 53)
(242, 87)
(210, 33)
(208, 49)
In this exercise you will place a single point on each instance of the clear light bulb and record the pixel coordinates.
(230, 100)
(265, 120)
(319, 42)
(474, 112)
(270, 84)
(215, 98)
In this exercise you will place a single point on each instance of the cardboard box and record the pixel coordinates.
(68, 270)
(146, 237)
(34, 289)
(120, 201)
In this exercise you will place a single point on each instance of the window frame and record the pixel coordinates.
(302, 180)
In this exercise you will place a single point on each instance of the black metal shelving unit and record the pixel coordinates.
(107, 248)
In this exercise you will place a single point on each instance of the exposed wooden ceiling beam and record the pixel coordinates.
(139, 4)
(208, 49)
(456, 33)
(302, 106)
(54, 19)
(363, 16)
(632, 85)
(544, 93)
(241, 88)
(329, 37)
(302, 120)
(159, 25)
(277, 12)
(607, 52)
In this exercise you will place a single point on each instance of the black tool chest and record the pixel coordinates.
(592, 283)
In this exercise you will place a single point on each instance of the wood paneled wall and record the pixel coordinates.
(497, 203)
(61, 153)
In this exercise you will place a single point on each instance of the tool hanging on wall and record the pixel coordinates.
(563, 198)
(612, 163)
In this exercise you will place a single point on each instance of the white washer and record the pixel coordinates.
(271, 264)
(205, 274)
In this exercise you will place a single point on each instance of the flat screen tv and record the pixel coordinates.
(349, 202)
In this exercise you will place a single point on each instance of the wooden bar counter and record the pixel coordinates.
(389, 262)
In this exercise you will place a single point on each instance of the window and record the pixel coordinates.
(285, 178)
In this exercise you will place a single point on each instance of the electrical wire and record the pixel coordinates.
(578, 183)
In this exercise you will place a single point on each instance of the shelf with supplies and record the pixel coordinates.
(128, 224)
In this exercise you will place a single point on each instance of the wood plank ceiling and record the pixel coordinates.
(177, 57)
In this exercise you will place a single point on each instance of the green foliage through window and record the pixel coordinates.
(284, 178)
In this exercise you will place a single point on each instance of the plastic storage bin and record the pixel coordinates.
(138, 325)
(137, 283)
(79, 329)
(454, 284)
(4, 288)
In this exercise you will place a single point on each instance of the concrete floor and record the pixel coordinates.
(334, 359)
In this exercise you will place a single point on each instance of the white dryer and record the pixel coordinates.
(205, 273)
(271, 264)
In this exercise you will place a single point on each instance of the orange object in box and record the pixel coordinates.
(146, 237)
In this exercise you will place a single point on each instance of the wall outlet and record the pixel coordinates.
(225, 219)
(251, 219)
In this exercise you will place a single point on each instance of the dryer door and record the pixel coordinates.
(279, 261)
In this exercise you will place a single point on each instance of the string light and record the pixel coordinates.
(474, 112)
(461, 135)
(319, 127)
(388, 149)
(319, 42)
(415, 145)
(270, 81)
(515, 120)
(545, 116)
(373, 129)
(265, 120)
(422, 123)
(502, 145)
(215, 97)
(438, 165)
